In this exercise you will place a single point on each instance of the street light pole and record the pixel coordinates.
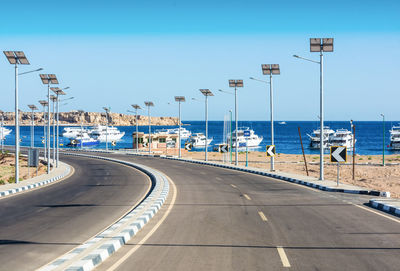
(33, 108)
(320, 45)
(15, 58)
(58, 92)
(80, 113)
(107, 109)
(148, 104)
(179, 99)
(48, 79)
(230, 133)
(206, 93)
(44, 104)
(236, 84)
(383, 137)
(136, 107)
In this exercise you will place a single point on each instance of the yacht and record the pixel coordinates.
(198, 140)
(246, 137)
(83, 140)
(184, 132)
(395, 138)
(342, 137)
(71, 132)
(103, 134)
(4, 132)
(315, 137)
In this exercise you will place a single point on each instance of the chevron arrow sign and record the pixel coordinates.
(270, 150)
(338, 154)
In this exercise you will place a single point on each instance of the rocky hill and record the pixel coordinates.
(90, 118)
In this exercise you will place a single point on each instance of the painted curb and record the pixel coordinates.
(119, 233)
(35, 185)
(380, 205)
(276, 176)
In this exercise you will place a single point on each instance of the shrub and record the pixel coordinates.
(2, 182)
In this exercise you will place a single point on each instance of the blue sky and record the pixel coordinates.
(123, 52)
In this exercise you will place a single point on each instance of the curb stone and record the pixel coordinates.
(103, 245)
(384, 206)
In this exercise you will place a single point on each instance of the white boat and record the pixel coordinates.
(246, 137)
(83, 139)
(342, 137)
(315, 137)
(103, 134)
(395, 138)
(72, 132)
(184, 133)
(282, 122)
(4, 132)
(198, 140)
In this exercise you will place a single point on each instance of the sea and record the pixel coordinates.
(370, 135)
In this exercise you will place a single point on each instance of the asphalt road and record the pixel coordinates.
(38, 226)
(228, 220)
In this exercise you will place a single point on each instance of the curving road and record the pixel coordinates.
(229, 220)
(38, 226)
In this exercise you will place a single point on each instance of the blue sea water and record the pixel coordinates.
(369, 134)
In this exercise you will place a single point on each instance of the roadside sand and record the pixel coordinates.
(369, 172)
(7, 163)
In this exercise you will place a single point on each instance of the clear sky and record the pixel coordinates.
(117, 53)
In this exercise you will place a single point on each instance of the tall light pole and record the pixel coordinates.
(107, 109)
(81, 112)
(235, 84)
(44, 104)
(206, 93)
(48, 79)
(383, 137)
(321, 46)
(179, 99)
(149, 104)
(2, 131)
(136, 107)
(58, 92)
(33, 108)
(17, 58)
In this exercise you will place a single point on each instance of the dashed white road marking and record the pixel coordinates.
(234, 186)
(263, 217)
(246, 196)
(282, 255)
(218, 178)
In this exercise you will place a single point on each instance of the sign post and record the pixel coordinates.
(338, 155)
(247, 135)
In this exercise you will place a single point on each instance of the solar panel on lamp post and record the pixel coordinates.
(16, 58)
(321, 46)
(107, 109)
(44, 104)
(81, 112)
(235, 84)
(179, 99)
(48, 79)
(206, 93)
(148, 104)
(271, 69)
(58, 92)
(2, 131)
(136, 107)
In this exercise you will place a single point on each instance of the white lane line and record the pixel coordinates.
(263, 217)
(234, 186)
(246, 196)
(218, 178)
(282, 255)
(141, 242)
(377, 213)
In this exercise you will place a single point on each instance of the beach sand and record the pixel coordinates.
(369, 172)
(7, 163)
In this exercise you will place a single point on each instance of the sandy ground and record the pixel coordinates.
(7, 163)
(369, 172)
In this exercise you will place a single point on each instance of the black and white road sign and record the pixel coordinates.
(338, 154)
(224, 148)
(188, 146)
(270, 150)
(113, 143)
